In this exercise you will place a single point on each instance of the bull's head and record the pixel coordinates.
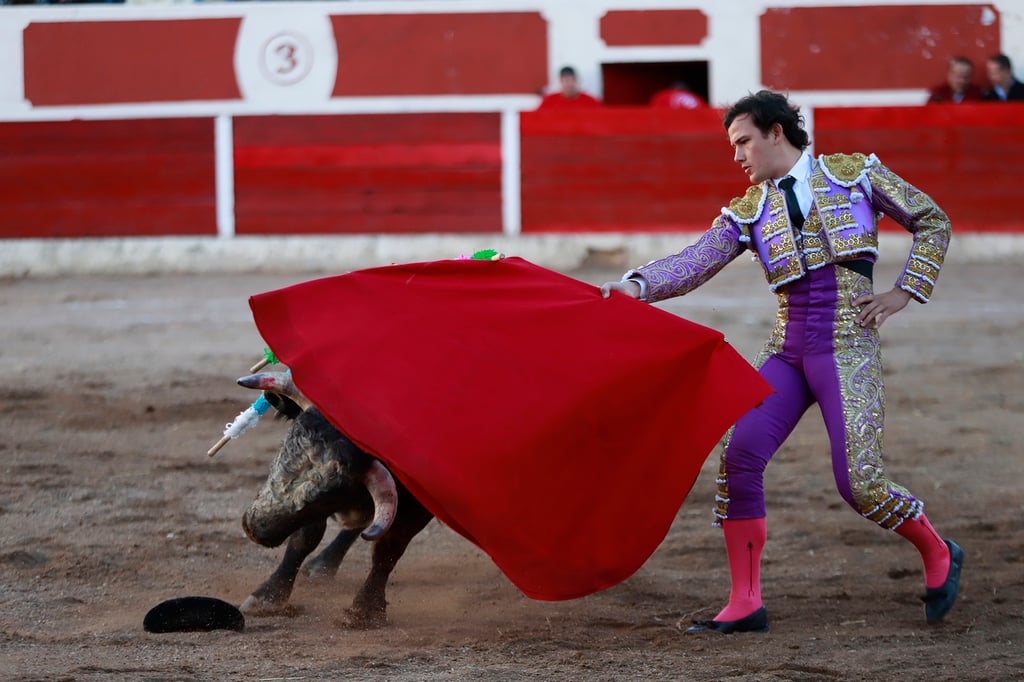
(317, 472)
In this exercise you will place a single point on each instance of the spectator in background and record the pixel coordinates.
(677, 96)
(1004, 86)
(958, 86)
(569, 96)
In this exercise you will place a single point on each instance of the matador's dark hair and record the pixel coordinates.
(766, 108)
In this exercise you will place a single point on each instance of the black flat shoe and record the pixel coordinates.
(755, 622)
(939, 600)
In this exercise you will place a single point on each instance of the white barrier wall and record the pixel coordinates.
(212, 70)
(272, 34)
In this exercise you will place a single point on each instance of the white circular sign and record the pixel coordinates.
(286, 58)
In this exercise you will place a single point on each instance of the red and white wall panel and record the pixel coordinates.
(416, 116)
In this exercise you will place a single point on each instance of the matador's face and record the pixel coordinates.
(760, 155)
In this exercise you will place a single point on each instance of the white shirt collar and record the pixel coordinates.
(801, 170)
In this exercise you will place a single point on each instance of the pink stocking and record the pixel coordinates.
(933, 549)
(744, 540)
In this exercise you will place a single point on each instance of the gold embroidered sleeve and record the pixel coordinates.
(921, 216)
(683, 272)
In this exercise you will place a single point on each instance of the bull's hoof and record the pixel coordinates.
(260, 607)
(356, 619)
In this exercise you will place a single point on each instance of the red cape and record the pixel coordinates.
(558, 431)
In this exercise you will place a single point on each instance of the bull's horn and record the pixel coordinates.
(385, 500)
(277, 382)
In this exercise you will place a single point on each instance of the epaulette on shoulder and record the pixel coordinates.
(747, 208)
(847, 169)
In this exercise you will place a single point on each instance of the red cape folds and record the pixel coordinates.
(558, 431)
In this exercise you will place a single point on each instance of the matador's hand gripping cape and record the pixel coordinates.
(558, 431)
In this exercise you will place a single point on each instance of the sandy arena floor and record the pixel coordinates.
(114, 388)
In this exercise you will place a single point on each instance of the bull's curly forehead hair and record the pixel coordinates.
(766, 108)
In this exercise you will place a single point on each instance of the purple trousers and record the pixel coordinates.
(818, 354)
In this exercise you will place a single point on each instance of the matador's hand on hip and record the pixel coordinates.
(879, 308)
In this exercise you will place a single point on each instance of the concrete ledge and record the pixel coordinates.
(563, 252)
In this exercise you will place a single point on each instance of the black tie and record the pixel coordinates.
(796, 216)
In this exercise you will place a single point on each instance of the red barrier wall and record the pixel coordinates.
(964, 156)
(388, 173)
(654, 27)
(107, 178)
(98, 62)
(613, 169)
(880, 46)
(625, 169)
(441, 54)
(639, 169)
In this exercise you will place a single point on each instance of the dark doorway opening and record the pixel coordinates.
(633, 84)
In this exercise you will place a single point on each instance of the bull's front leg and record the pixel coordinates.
(369, 608)
(325, 564)
(272, 596)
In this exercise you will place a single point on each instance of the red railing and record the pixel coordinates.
(612, 169)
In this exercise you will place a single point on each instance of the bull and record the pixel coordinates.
(319, 474)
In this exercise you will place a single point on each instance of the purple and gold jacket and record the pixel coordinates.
(851, 192)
